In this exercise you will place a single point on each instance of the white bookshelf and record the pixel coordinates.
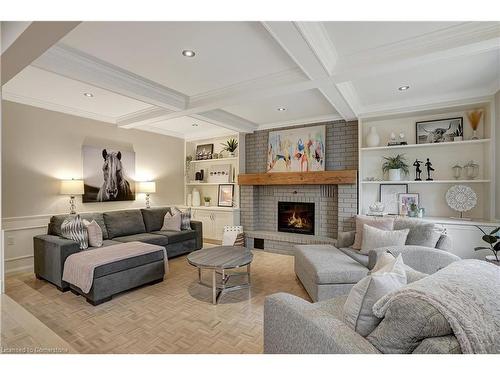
(442, 155)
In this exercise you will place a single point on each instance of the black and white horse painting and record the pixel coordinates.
(108, 175)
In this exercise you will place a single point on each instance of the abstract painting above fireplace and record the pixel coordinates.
(296, 217)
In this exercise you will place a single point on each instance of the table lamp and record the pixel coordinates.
(146, 187)
(72, 188)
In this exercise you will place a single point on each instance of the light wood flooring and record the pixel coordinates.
(175, 316)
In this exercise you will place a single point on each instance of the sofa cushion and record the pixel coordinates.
(356, 255)
(124, 223)
(57, 220)
(128, 263)
(407, 322)
(374, 238)
(326, 264)
(151, 238)
(174, 236)
(421, 233)
(385, 223)
(172, 222)
(153, 217)
(94, 232)
(357, 311)
(332, 306)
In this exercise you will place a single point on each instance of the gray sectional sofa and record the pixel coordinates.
(328, 271)
(144, 225)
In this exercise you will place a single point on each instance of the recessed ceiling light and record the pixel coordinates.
(194, 125)
(88, 94)
(403, 88)
(281, 109)
(188, 53)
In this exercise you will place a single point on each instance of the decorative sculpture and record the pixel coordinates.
(429, 170)
(418, 171)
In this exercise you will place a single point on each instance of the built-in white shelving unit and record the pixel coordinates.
(442, 155)
(214, 218)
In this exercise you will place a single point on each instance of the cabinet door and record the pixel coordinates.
(222, 219)
(208, 223)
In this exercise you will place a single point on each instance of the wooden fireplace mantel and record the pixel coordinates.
(346, 176)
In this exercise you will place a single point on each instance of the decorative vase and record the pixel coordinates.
(372, 139)
(196, 198)
(207, 204)
(421, 212)
(394, 174)
(189, 200)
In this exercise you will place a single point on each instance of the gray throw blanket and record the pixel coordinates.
(467, 294)
(79, 267)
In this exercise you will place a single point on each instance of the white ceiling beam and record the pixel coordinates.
(305, 43)
(36, 39)
(79, 66)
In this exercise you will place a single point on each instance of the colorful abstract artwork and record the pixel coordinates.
(297, 150)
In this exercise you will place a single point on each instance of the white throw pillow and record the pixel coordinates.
(374, 238)
(357, 311)
(385, 258)
(172, 222)
(94, 232)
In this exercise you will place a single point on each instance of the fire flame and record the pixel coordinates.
(297, 221)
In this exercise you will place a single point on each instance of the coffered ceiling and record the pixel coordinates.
(244, 72)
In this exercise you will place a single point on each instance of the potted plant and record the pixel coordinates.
(230, 146)
(413, 212)
(494, 245)
(207, 201)
(394, 166)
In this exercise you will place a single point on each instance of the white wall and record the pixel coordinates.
(497, 156)
(41, 147)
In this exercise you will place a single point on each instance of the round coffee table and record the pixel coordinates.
(219, 260)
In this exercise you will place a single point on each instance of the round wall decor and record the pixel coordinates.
(461, 198)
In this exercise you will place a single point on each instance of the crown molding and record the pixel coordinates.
(56, 107)
(74, 64)
(303, 121)
(443, 101)
(227, 120)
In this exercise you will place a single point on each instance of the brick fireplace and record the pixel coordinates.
(296, 217)
(334, 206)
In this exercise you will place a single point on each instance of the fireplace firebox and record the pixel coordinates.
(296, 217)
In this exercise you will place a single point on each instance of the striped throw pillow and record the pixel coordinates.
(73, 228)
(185, 217)
(240, 240)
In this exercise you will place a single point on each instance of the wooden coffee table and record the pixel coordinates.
(219, 260)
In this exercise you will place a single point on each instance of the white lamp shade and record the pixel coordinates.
(146, 187)
(72, 187)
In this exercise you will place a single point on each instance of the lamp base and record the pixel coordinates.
(72, 205)
(148, 205)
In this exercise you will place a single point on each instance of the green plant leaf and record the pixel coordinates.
(481, 248)
(497, 246)
(489, 239)
(494, 231)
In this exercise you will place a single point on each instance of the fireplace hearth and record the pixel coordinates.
(296, 217)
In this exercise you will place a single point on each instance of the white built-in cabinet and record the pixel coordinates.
(214, 218)
(444, 156)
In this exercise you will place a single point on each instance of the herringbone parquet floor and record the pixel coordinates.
(174, 316)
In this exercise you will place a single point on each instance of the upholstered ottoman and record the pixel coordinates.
(325, 271)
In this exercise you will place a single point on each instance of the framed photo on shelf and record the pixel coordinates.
(226, 195)
(389, 196)
(437, 131)
(204, 152)
(405, 200)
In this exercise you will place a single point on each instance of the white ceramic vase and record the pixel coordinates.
(196, 198)
(207, 204)
(394, 174)
(372, 139)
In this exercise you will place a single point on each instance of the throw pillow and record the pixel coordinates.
(407, 322)
(73, 228)
(421, 233)
(357, 311)
(185, 217)
(385, 223)
(374, 238)
(385, 258)
(240, 240)
(172, 222)
(94, 233)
